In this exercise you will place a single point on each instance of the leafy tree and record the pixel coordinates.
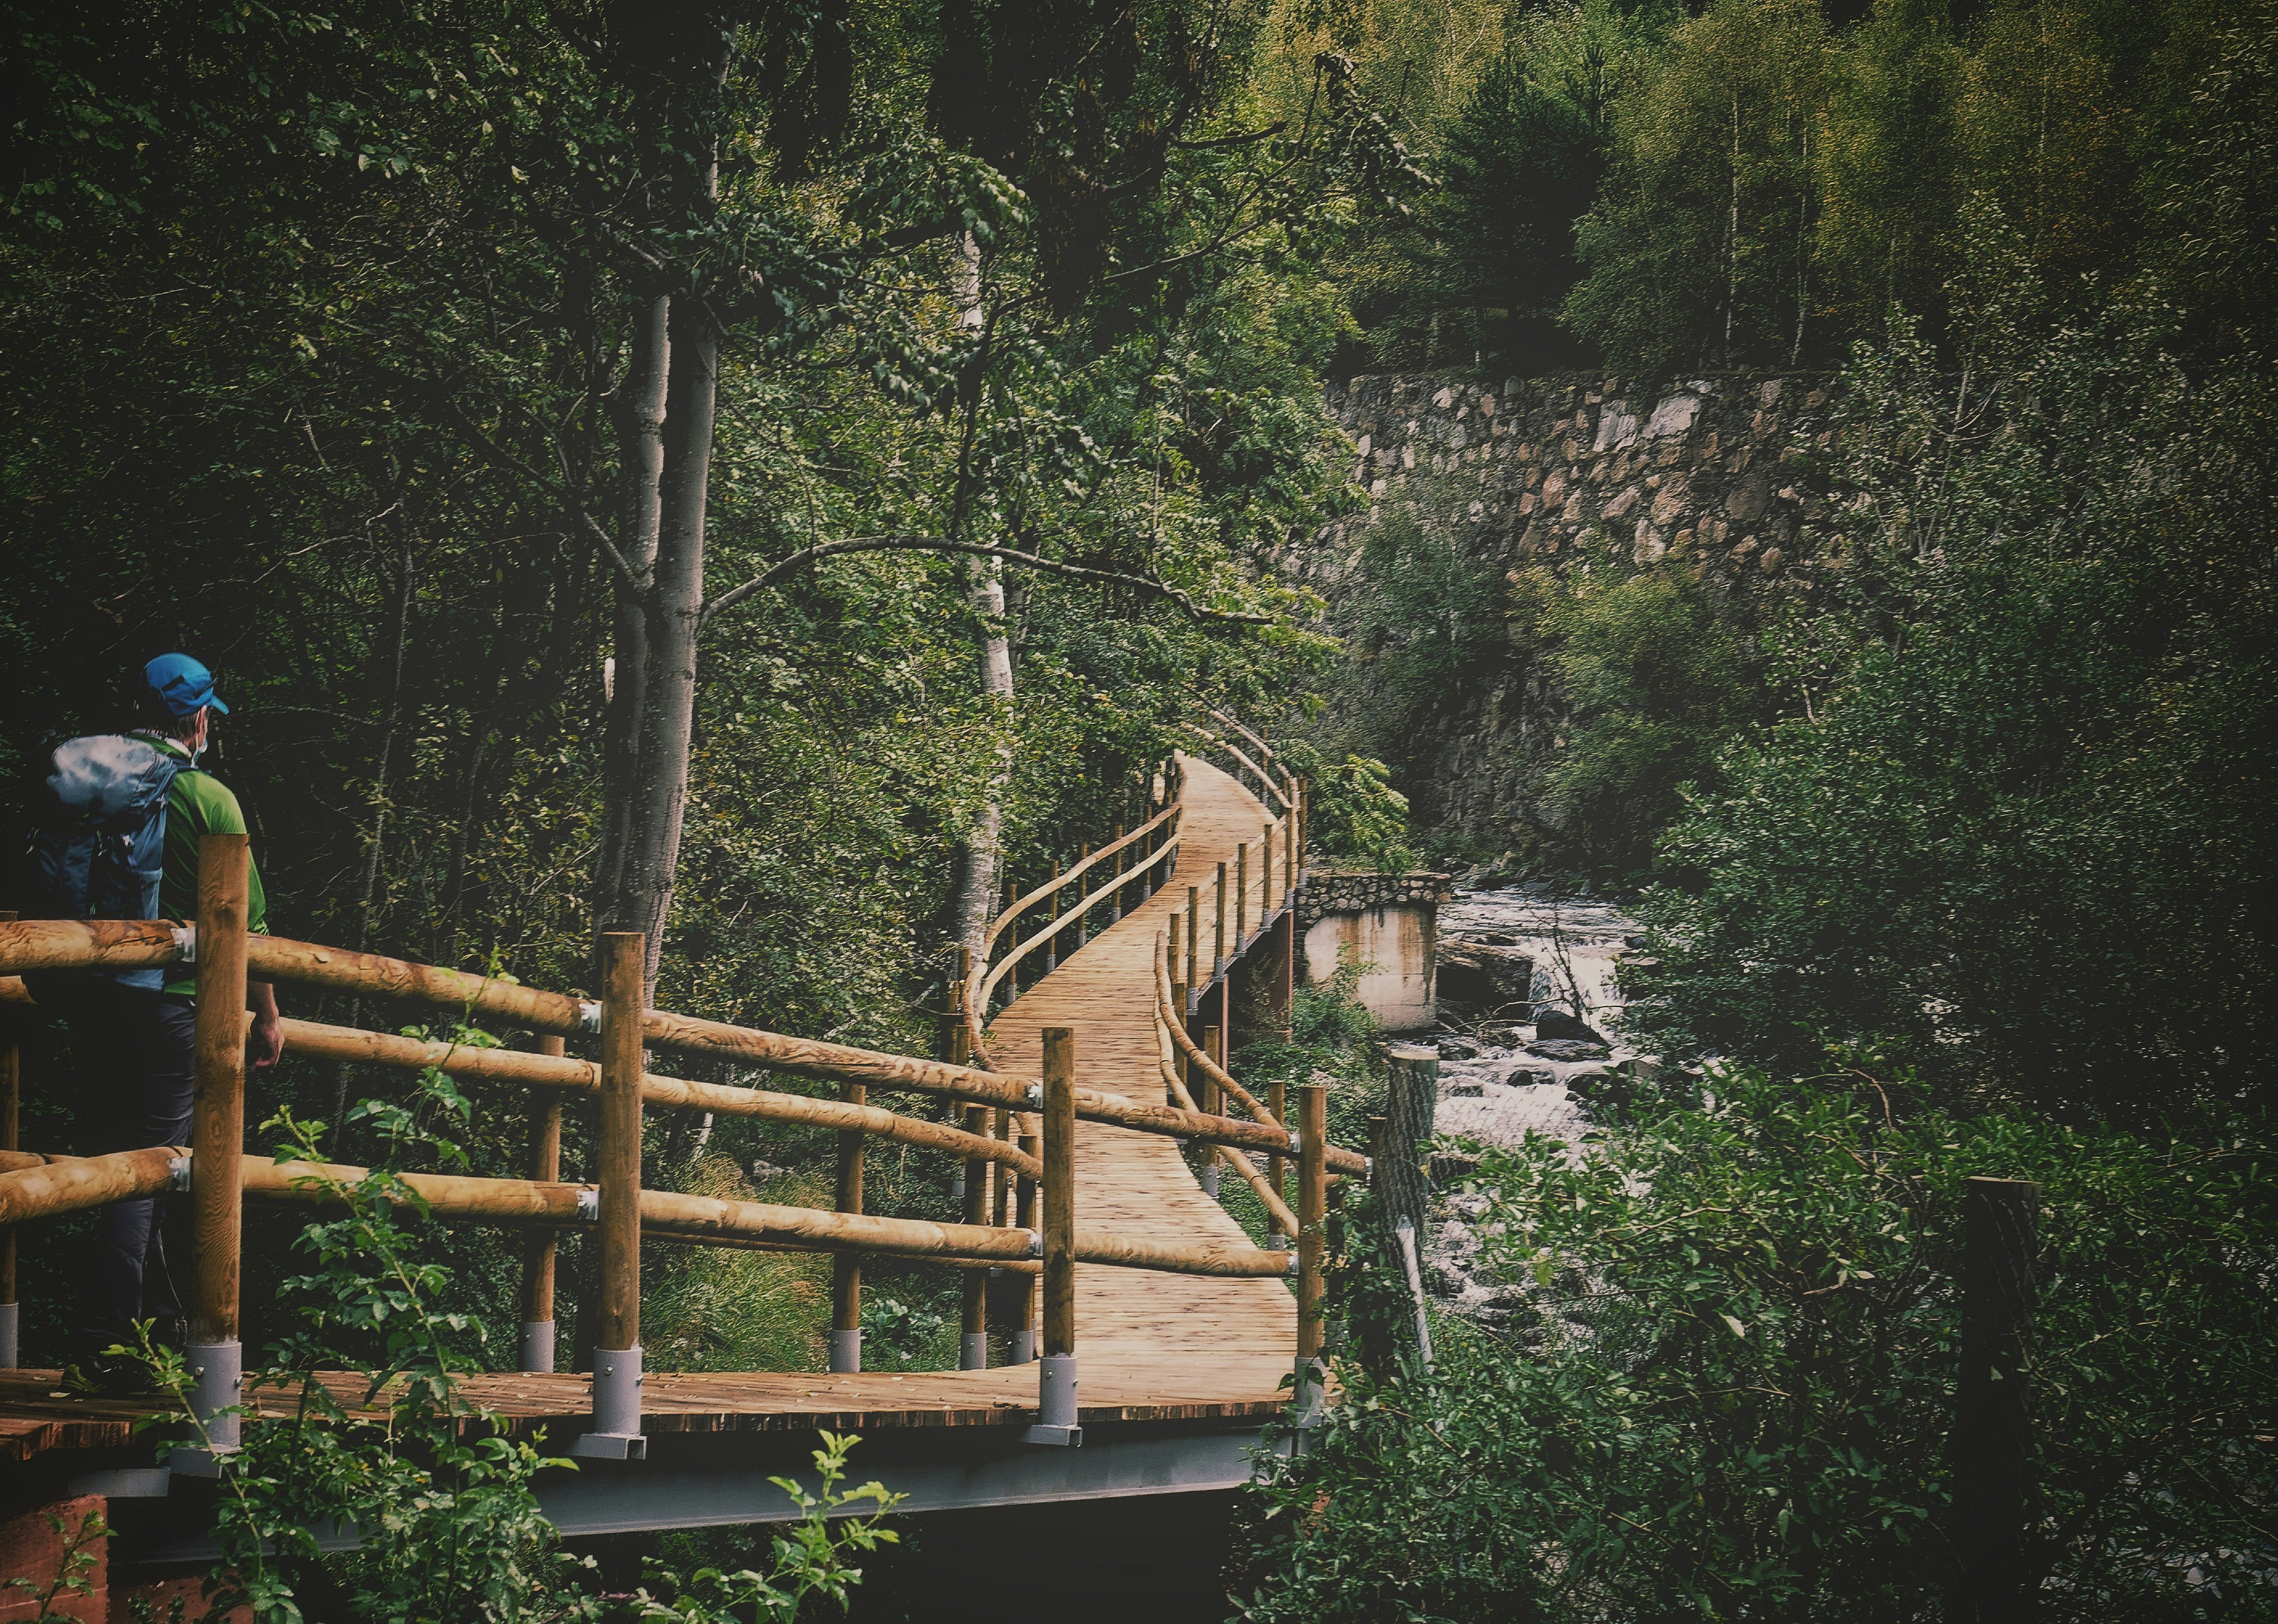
(1701, 246)
(2043, 137)
(1657, 676)
(1893, 165)
(1726, 1382)
(2023, 828)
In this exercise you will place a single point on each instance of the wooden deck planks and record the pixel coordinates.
(1151, 1347)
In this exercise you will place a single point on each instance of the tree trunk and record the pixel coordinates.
(982, 856)
(665, 429)
(640, 442)
(371, 893)
(671, 608)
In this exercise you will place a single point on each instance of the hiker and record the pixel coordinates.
(119, 820)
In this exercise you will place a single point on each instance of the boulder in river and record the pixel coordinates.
(1567, 1049)
(1551, 1021)
(1484, 975)
(1459, 1048)
(1531, 1077)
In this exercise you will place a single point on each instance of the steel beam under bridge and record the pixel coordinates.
(721, 1480)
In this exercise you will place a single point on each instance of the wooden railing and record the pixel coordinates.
(1031, 1232)
(1145, 857)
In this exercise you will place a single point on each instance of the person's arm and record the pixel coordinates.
(268, 1032)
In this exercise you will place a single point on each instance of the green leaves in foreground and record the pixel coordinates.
(1727, 1383)
(369, 1440)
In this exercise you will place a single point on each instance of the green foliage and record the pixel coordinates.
(1657, 676)
(902, 1334)
(1726, 1388)
(1700, 245)
(1755, 182)
(2023, 826)
(1353, 812)
(439, 1496)
(78, 1565)
(1332, 1039)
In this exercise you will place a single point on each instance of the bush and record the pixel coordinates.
(2023, 826)
(1727, 1388)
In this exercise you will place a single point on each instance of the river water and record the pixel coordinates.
(1491, 1089)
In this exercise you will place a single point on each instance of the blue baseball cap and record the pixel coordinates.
(182, 684)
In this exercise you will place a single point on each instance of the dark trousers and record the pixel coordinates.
(133, 1057)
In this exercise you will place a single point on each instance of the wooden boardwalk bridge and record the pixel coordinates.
(1094, 1091)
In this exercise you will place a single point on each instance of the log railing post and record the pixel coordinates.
(1277, 1101)
(214, 1355)
(616, 1433)
(1289, 851)
(1218, 952)
(1024, 1337)
(1312, 1235)
(847, 1266)
(1122, 864)
(534, 1345)
(1194, 976)
(1178, 1063)
(1056, 1381)
(10, 1106)
(1993, 1437)
(1241, 894)
(972, 1344)
(1214, 1046)
(1082, 932)
(1264, 875)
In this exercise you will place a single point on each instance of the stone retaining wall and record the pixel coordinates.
(1699, 471)
(1699, 467)
(1322, 895)
(1390, 924)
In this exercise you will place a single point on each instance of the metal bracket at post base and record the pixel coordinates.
(534, 1348)
(1055, 1411)
(617, 1434)
(1306, 1400)
(845, 1353)
(217, 1382)
(8, 1320)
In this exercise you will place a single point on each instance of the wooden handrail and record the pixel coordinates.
(1267, 1196)
(1060, 883)
(982, 979)
(880, 1070)
(506, 1065)
(1193, 1050)
(1021, 950)
(1265, 778)
(71, 1184)
(1265, 751)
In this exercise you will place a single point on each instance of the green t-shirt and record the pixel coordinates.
(199, 803)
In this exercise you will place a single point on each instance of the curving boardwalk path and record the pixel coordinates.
(1175, 1334)
(1150, 1347)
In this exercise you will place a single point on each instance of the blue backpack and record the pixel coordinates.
(99, 836)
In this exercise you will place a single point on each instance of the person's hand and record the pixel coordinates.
(268, 1045)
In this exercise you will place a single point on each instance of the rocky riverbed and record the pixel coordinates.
(1510, 1064)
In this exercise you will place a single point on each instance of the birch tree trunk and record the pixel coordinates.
(672, 609)
(665, 424)
(983, 856)
(640, 448)
(400, 636)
